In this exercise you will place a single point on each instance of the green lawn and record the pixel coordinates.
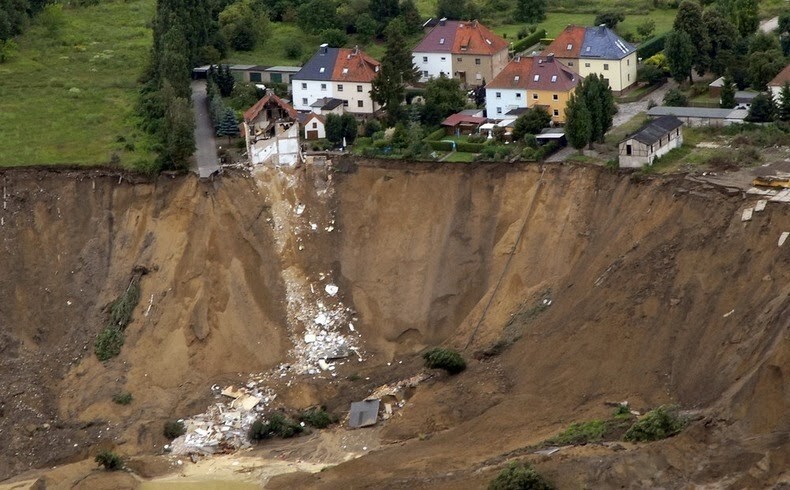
(272, 51)
(460, 157)
(69, 98)
(557, 21)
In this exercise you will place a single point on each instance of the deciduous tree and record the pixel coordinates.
(680, 51)
(531, 123)
(530, 11)
(578, 123)
(443, 96)
(689, 20)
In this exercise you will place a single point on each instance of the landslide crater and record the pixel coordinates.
(657, 294)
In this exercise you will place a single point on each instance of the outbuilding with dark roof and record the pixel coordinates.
(651, 141)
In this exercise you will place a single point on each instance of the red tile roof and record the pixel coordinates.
(571, 36)
(354, 65)
(549, 74)
(269, 98)
(456, 119)
(780, 79)
(514, 75)
(461, 37)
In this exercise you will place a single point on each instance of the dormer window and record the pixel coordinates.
(588, 49)
(536, 78)
(553, 78)
(570, 47)
(488, 41)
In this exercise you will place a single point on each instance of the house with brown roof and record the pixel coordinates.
(779, 81)
(272, 132)
(336, 73)
(466, 50)
(587, 50)
(530, 82)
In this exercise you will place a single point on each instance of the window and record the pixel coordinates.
(536, 78)
(606, 66)
(323, 86)
(535, 96)
(517, 78)
(499, 110)
(304, 86)
(425, 73)
(556, 112)
(359, 88)
(478, 76)
(255, 77)
(304, 101)
(345, 103)
(340, 87)
(315, 124)
(570, 63)
(441, 41)
(554, 79)
(570, 47)
(444, 58)
(345, 71)
(628, 62)
(499, 95)
(321, 70)
(360, 103)
(477, 61)
(555, 97)
(276, 77)
(518, 95)
(459, 59)
(629, 77)
(424, 59)
(586, 65)
(628, 149)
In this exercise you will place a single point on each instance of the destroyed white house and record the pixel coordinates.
(271, 129)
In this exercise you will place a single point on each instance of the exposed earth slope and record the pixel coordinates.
(619, 288)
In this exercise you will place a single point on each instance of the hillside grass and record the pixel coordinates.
(557, 21)
(69, 98)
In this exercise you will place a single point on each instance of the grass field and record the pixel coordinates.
(557, 21)
(68, 98)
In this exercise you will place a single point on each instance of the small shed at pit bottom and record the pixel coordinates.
(652, 141)
(364, 413)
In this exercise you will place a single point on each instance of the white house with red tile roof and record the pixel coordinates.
(338, 73)
(529, 82)
(272, 132)
(466, 50)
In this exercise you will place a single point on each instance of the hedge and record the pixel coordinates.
(435, 136)
(530, 40)
(651, 46)
(470, 147)
(440, 145)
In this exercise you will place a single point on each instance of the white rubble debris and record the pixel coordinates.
(783, 237)
(331, 289)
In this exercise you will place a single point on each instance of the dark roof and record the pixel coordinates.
(339, 64)
(549, 74)
(327, 103)
(461, 37)
(656, 129)
(320, 66)
(517, 111)
(602, 42)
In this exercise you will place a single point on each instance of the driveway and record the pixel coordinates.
(206, 159)
(630, 109)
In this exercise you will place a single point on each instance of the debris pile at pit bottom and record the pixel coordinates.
(225, 425)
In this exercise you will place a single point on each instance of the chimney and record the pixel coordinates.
(550, 57)
(356, 50)
(324, 48)
(443, 21)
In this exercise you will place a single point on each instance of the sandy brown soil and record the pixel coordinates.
(643, 277)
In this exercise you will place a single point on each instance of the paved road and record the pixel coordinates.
(206, 159)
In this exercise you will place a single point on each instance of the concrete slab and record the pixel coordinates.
(364, 413)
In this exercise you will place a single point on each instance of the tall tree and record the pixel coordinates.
(228, 124)
(679, 51)
(689, 20)
(443, 96)
(531, 123)
(578, 123)
(745, 16)
(451, 9)
(384, 10)
(530, 11)
(723, 37)
(763, 66)
(318, 15)
(762, 109)
(783, 103)
(411, 16)
(783, 31)
(727, 93)
(396, 70)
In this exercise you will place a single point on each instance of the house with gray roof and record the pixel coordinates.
(701, 116)
(651, 141)
(587, 50)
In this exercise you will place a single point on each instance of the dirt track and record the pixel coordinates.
(641, 273)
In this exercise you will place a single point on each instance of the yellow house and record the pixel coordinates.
(550, 85)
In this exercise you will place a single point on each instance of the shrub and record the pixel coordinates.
(108, 343)
(470, 147)
(580, 433)
(124, 398)
(528, 41)
(109, 460)
(371, 127)
(675, 98)
(121, 309)
(519, 476)
(277, 425)
(293, 49)
(651, 46)
(656, 424)
(316, 417)
(174, 428)
(447, 359)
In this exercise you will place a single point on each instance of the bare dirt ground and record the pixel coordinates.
(659, 294)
